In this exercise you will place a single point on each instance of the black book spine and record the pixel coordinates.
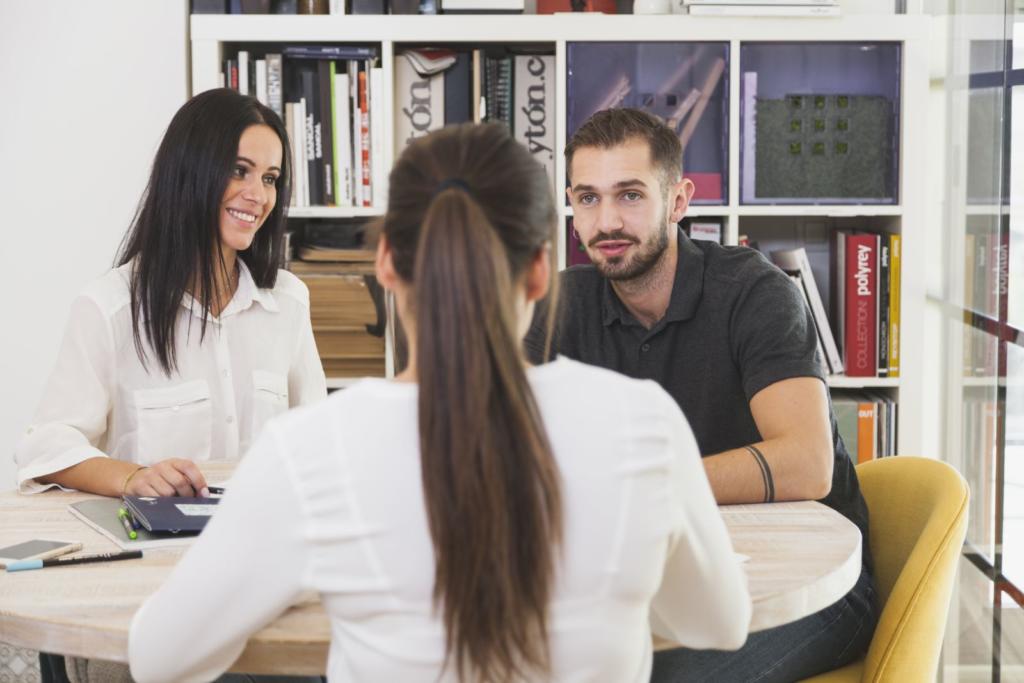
(458, 86)
(314, 150)
(327, 132)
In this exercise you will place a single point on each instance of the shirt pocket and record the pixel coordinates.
(174, 422)
(269, 398)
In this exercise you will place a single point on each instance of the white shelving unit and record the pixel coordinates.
(209, 34)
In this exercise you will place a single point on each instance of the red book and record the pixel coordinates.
(861, 310)
(364, 122)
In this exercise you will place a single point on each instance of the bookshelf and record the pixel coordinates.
(213, 35)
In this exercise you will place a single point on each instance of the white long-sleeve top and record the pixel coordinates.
(258, 358)
(330, 500)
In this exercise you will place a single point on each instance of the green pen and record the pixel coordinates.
(122, 515)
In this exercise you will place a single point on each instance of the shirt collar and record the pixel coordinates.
(687, 288)
(245, 295)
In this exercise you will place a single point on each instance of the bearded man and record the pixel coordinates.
(729, 337)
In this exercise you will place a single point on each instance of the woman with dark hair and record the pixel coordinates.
(474, 519)
(182, 352)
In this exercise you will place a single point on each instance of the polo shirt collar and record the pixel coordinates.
(687, 288)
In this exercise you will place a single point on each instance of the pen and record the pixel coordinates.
(122, 514)
(82, 559)
(131, 518)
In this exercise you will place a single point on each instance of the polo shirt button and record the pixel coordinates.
(645, 347)
(230, 419)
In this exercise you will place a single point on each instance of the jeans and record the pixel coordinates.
(826, 640)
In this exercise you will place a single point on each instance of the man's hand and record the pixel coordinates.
(171, 477)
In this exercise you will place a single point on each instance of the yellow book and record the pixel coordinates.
(895, 263)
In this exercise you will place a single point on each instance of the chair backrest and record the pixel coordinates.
(918, 519)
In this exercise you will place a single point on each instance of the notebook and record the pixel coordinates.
(175, 514)
(101, 515)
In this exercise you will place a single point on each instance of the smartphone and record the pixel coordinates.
(36, 549)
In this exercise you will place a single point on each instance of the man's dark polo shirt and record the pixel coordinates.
(735, 324)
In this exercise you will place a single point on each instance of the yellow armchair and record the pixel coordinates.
(918, 517)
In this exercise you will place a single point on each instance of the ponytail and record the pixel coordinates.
(490, 481)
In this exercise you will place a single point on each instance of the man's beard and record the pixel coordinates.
(640, 262)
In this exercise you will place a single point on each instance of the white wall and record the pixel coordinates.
(88, 89)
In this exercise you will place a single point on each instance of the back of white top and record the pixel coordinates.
(636, 505)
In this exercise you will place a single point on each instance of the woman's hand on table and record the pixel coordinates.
(171, 477)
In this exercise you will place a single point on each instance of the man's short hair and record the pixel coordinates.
(613, 127)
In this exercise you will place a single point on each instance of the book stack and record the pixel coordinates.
(867, 423)
(346, 303)
(438, 87)
(866, 299)
(332, 100)
(764, 8)
(347, 312)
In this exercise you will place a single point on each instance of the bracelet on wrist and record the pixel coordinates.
(124, 486)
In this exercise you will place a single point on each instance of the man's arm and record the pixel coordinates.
(793, 418)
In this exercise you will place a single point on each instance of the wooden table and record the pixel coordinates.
(803, 557)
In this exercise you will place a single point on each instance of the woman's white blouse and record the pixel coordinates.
(330, 500)
(258, 358)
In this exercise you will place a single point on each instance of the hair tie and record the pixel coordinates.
(449, 183)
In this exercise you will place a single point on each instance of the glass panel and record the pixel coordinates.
(1011, 655)
(819, 123)
(1015, 257)
(978, 422)
(972, 624)
(981, 261)
(1013, 464)
(685, 84)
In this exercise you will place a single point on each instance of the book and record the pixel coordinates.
(302, 151)
(458, 85)
(428, 61)
(357, 132)
(261, 82)
(330, 51)
(378, 166)
(318, 253)
(760, 3)
(342, 141)
(796, 261)
(801, 286)
(883, 306)
(275, 92)
(861, 341)
(243, 72)
(845, 406)
(482, 6)
(766, 10)
(533, 121)
(314, 145)
(174, 514)
(709, 231)
(895, 262)
(325, 131)
(420, 101)
(364, 134)
(867, 422)
(477, 72)
(101, 515)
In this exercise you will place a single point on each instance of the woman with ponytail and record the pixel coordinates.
(475, 518)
